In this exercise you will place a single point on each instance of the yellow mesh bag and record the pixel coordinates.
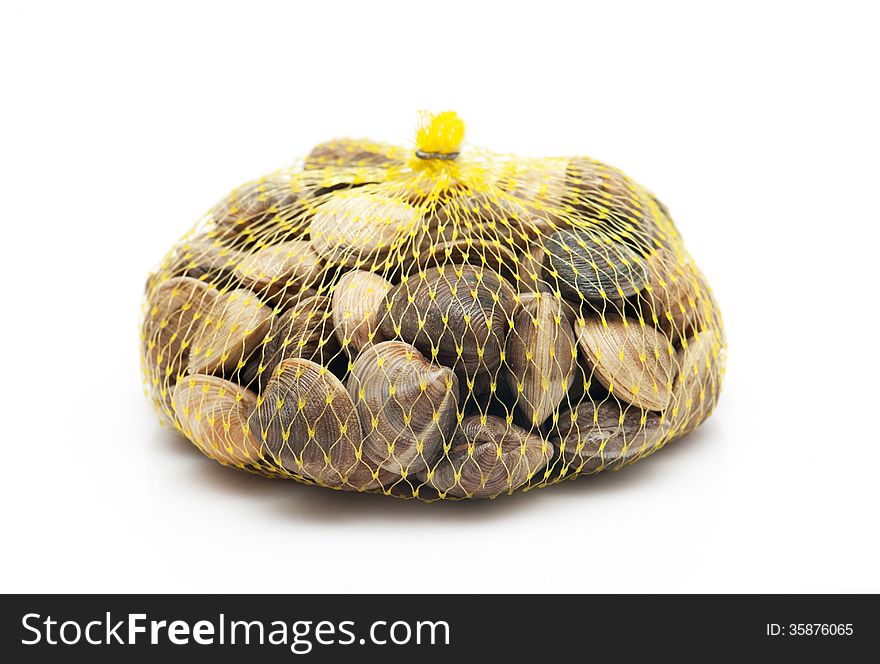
(432, 323)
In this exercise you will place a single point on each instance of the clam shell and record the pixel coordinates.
(586, 266)
(356, 301)
(541, 357)
(249, 211)
(465, 250)
(290, 265)
(303, 331)
(488, 457)
(527, 300)
(605, 198)
(540, 185)
(213, 414)
(347, 152)
(457, 315)
(231, 328)
(476, 386)
(678, 299)
(635, 362)
(538, 182)
(527, 272)
(368, 477)
(359, 230)
(407, 406)
(207, 255)
(176, 308)
(698, 383)
(596, 436)
(316, 184)
(489, 216)
(481, 252)
(288, 298)
(308, 424)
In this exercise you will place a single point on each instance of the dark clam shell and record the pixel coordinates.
(588, 267)
(456, 315)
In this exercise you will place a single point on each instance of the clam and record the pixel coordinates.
(528, 299)
(366, 476)
(213, 414)
(249, 210)
(587, 266)
(676, 298)
(308, 424)
(303, 331)
(407, 406)
(269, 270)
(488, 457)
(359, 229)
(347, 152)
(457, 315)
(605, 197)
(232, 326)
(527, 269)
(288, 298)
(473, 251)
(356, 301)
(477, 385)
(635, 362)
(289, 266)
(489, 216)
(540, 186)
(697, 386)
(539, 181)
(541, 357)
(176, 308)
(315, 184)
(208, 255)
(594, 436)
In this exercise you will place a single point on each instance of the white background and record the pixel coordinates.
(757, 126)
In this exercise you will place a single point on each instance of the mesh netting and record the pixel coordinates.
(432, 324)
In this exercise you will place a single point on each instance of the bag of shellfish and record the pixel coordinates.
(435, 322)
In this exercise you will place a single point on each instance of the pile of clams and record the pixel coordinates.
(432, 326)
